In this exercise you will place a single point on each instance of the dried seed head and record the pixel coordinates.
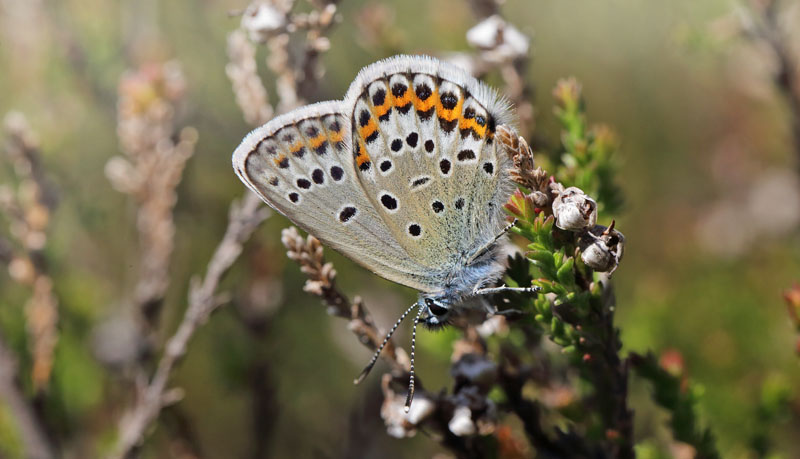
(574, 210)
(400, 424)
(602, 248)
(461, 423)
(262, 21)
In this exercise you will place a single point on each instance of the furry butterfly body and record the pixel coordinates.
(403, 176)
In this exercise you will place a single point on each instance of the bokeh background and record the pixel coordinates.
(711, 217)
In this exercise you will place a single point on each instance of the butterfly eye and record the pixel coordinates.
(434, 308)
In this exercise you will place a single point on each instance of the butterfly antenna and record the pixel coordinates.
(410, 395)
(377, 353)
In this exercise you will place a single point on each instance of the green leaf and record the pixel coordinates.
(565, 275)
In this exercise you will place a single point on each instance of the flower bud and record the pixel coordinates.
(602, 248)
(461, 424)
(792, 298)
(521, 206)
(574, 210)
(262, 20)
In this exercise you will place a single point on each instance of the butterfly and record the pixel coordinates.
(405, 176)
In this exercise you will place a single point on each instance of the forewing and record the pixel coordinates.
(423, 134)
(301, 164)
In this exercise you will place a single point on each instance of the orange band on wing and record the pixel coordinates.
(448, 115)
(362, 156)
(425, 105)
(380, 110)
(281, 161)
(317, 141)
(404, 99)
(470, 123)
(368, 130)
(337, 136)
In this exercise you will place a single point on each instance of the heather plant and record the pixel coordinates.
(151, 309)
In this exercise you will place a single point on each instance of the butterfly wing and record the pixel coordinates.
(301, 165)
(423, 143)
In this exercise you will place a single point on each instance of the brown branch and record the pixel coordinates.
(308, 254)
(787, 76)
(32, 432)
(245, 216)
(764, 26)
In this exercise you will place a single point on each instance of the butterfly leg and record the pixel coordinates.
(485, 248)
(503, 288)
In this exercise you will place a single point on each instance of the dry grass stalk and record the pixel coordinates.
(32, 433)
(245, 217)
(242, 70)
(28, 209)
(150, 172)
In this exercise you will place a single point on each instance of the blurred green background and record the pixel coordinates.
(702, 128)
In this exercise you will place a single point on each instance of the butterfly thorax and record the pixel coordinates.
(459, 286)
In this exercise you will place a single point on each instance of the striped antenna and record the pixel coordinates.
(410, 395)
(377, 353)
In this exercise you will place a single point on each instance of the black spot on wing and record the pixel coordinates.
(396, 145)
(444, 166)
(363, 118)
(420, 181)
(337, 173)
(423, 92)
(448, 126)
(449, 100)
(398, 89)
(412, 139)
(347, 213)
(388, 202)
(466, 155)
(318, 176)
(379, 97)
(425, 115)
